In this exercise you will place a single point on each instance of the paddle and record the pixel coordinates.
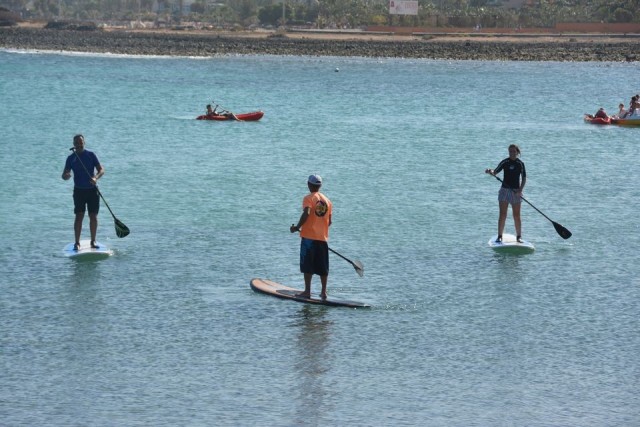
(356, 264)
(121, 229)
(563, 232)
(224, 110)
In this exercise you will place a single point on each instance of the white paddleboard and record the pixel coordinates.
(87, 252)
(510, 245)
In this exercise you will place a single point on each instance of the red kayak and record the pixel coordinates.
(246, 117)
(597, 120)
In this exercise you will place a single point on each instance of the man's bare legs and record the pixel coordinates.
(93, 227)
(307, 286)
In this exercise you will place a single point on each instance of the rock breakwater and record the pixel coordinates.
(211, 44)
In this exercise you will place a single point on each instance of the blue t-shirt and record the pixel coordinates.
(80, 177)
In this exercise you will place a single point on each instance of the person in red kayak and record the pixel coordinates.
(601, 114)
(313, 226)
(211, 111)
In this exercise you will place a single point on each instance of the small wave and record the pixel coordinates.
(96, 54)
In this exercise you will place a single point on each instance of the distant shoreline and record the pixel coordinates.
(358, 44)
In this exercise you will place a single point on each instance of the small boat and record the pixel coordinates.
(633, 121)
(245, 117)
(589, 118)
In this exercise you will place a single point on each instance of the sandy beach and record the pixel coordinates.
(448, 46)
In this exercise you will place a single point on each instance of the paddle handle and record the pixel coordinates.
(359, 267)
(342, 256)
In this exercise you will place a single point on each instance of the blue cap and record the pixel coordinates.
(315, 180)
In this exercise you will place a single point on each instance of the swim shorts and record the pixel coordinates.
(509, 195)
(86, 197)
(314, 257)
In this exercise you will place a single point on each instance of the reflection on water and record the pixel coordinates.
(313, 362)
(84, 270)
(83, 306)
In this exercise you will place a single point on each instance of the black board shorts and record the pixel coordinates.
(86, 197)
(314, 257)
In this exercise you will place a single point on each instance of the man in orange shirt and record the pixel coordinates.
(313, 226)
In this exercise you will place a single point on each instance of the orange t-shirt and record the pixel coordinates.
(316, 227)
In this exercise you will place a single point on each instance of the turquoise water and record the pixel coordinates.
(168, 332)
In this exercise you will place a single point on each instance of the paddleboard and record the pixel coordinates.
(510, 245)
(87, 252)
(272, 288)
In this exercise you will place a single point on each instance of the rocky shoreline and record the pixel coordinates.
(211, 44)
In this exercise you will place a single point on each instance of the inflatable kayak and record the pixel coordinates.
(245, 117)
(597, 120)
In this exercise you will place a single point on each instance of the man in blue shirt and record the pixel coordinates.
(86, 171)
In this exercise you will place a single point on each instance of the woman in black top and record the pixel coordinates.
(511, 190)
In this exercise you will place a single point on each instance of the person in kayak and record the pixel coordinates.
(213, 112)
(511, 190)
(313, 226)
(634, 107)
(601, 114)
(621, 111)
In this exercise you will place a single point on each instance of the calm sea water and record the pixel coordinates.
(168, 332)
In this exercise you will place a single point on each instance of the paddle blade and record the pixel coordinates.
(121, 229)
(359, 267)
(563, 232)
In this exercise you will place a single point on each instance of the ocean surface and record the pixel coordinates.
(167, 331)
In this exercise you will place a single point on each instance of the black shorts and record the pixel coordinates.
(86, 197)
(314, 257)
